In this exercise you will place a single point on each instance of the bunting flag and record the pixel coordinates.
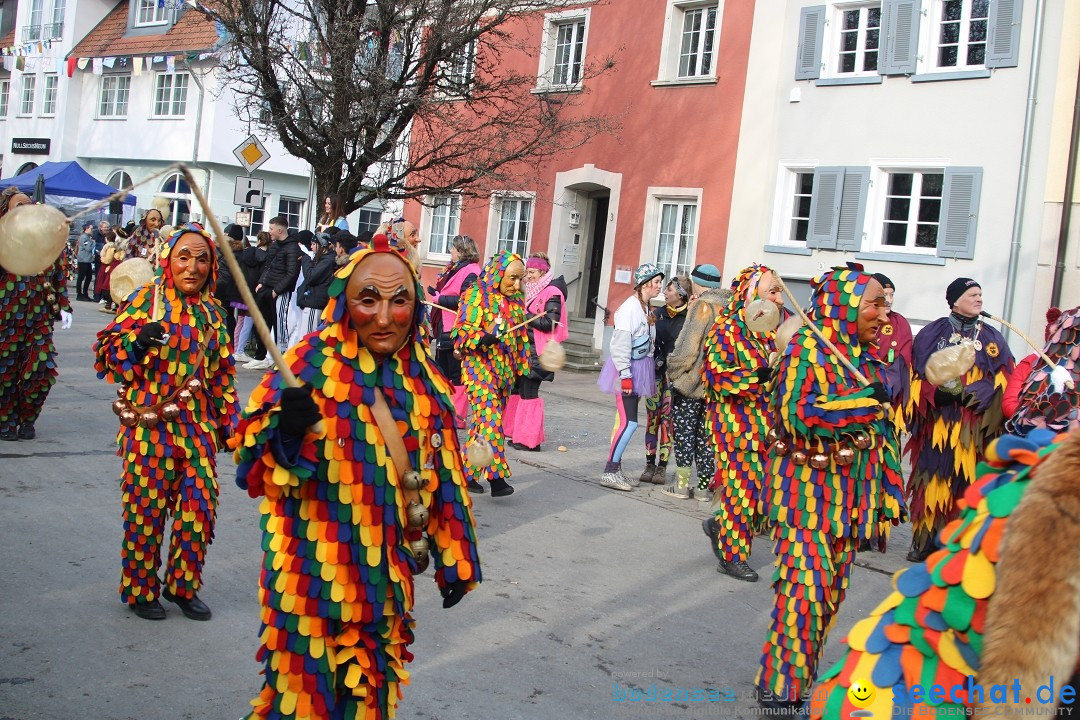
(20, 62)
(71, 62)
(83, 62)
(98, 66)
(136, 66)
(159, 58)
(109, 62)
(170, 63)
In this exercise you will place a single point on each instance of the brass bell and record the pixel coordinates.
(781, 447)
(149, 419)
(129, 418)
(862, 441)
(843, 455)
(798, 457)
(50, 298)
(772, 436)
(119, 406)
(819, 460)
(193, 385)
(416, 514)
(184, 396)
(411, 480)
(170, 411)
(121, 391)
(419, 549)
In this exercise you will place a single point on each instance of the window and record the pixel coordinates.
(445, 216)
(857, 44)
(36, 12)
(114, 95)
(691, 38)
(515, 217)
(258, 218)
(170, 95)
(368, 219)
(960, 33)
(151, 12)
(459, 70)
(562, 55)
(48, 100)
(5, 91)
(292, 210)
(798, 219)
(27, 106)
(912, 210)
(675, 238)
(56, 29)
(178, 192)
(119, 179)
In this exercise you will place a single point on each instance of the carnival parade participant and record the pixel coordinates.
(29, 306)
(494, 354)
(342, 536)
(142, 239)
(669, 321)
(833, 470)
(1042, 396)
(630, 373)
(892, 347)
(177, 405)
(458, 276)
(737, 375)
(545, 304)
(951, 425)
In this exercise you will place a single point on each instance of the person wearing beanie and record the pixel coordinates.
(274, 291)
(1039, 396)
(630, 372)
(707, 276)
(951, 425)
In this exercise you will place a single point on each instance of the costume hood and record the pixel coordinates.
(164, 272)
(744, 289)
(834, 305)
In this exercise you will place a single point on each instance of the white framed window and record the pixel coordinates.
(444, 218)
(113, 101)
(855, 42)
(26, 105)
(48, 96)
(958, 32)
(910, 210)
(37, 11)
(56, 28)
(119, 179)
(5, 92)
(368, 219)
(691, 39)
(258, 218)
(459, 70)
(178, 192)
(513, 224)
(292, 209)
(562, 50)
(791, 211)
(151, 12)
(676, 236)
(170, 94)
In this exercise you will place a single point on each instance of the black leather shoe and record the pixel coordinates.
(712, 529)
(917, 555)
(149, 610)
(192, 607)
(475, 487)
(738, 569)
(501, 488)
(9, 434)
(27, 431)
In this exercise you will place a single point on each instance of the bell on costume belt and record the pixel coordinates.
(803, 452)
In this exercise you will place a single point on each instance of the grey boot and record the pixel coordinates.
(680, 488)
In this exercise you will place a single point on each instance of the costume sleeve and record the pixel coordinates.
(451, 526)
(59, 281)
(469, 326)
(727, 369)
(116, 357)
(984, 392)
(221, 386)
(1011, 401)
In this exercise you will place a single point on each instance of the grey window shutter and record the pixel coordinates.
(900, 19)
(849, 229)
(825, 207)
(959, 212)
(811, 35)
(1003, 35)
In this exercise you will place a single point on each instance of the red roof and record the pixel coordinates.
(8, 40)
(193, 32)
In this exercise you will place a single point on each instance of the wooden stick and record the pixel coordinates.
(438, 307)
(245, 292)
(1037, 348)
(154, 311)
(523, 324)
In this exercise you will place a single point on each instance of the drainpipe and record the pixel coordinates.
(1066, 205)
(198, 132)
(1025, 160)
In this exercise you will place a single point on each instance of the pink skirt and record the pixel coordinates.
(643, 371)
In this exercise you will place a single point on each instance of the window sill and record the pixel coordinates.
(901, 258)
(788, 250)
(555, 89)
(952, 75)
(684, 81)
(167, 117)
(112, 117)
(855, 80)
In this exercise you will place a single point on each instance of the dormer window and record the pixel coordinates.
(151, 12)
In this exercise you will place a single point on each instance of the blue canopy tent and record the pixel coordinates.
(69, 188)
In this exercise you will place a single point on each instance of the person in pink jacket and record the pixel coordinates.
(458, 276)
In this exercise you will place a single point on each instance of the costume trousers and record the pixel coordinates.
(809, 582)
(626, 423)
(155, 488)
(658, 422)
(691, 437)
(487, 400)
(331, 670)
(27, 373)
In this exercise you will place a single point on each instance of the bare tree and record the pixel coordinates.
(397, 99)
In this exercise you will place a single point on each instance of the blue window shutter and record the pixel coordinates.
(1003, 35)
(811, 34)
(849, 228)
(900, 19)
(959, 212)
(825, 207)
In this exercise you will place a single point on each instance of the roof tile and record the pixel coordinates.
(192, 32)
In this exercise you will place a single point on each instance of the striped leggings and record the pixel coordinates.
(626, 422)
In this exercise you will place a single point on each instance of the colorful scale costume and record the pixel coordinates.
(488, 373)
(932, 627)
(737, 416)
(1040, 405)
(337, 582)
(947, 441)
(820, 513)
(29, 305)
(170, 467)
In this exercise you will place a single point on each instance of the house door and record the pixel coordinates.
(596, 254)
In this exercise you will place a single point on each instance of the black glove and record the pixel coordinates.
(453, 592)
(763, 374)
(943, 398)
(879, 393)
(430, 291)
(150, 334)
(487, 340)
(298, 411)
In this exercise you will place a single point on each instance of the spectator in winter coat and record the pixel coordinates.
(274, 291)
(252, 261)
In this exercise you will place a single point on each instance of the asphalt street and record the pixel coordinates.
(588, 594)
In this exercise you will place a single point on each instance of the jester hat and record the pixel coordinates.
(744, 288)
(169, 243)
(834, 304)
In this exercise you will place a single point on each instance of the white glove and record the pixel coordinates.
(65, 320)
(1060, 378)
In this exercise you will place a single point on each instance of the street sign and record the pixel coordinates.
(248, 192)
(251, 153)
(243, 219)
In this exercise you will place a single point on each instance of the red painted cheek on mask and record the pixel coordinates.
(401, 315)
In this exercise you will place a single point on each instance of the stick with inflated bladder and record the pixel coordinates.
(1037, 348)
(245, 292)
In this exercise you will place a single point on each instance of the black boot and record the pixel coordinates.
(500, 488)
(192, 607)
(475, 487)
(27, 431)
(738, 569)
(149, 610)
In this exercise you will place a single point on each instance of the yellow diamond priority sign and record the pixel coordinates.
(251, 153)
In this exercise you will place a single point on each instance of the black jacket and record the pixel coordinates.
(545, 323)
(667, 332)
(314, 291)
(252, 262)
(225, 291)
(282, 266)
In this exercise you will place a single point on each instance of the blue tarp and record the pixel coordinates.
(66, 179)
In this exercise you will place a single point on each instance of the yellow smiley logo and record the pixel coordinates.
(886, 329)
(992, 350)
(861, 693)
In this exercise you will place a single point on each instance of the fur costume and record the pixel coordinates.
(170, 467)
(1040, 404)
(820, 513)
(737, 404)
(983, 605)
(336, 587)
(488, 373)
